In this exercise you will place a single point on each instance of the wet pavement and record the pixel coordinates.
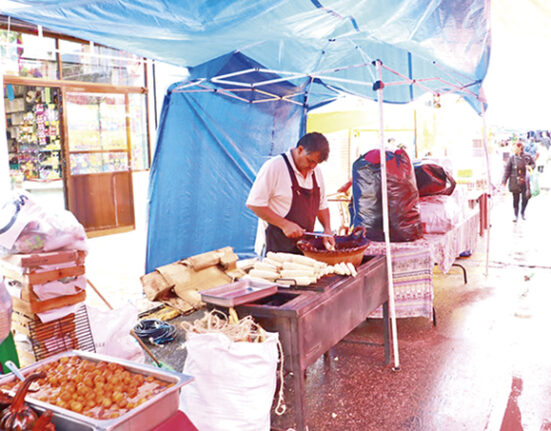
(486, 365)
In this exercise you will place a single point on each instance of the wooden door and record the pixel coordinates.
(99, 180)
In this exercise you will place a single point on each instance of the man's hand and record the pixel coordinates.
(292, 230)
(329, 242)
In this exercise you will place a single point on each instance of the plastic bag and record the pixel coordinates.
(5, 311)
(26, 227)
(234, 382)
(433, 179)
(534, 181)
(16, 211)
(403, 196)
(111, 332)
(439, 214)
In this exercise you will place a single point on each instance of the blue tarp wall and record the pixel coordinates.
(209, 148)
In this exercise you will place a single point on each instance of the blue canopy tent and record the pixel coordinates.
(319, 50)
(209, 147)
(419, 38)
(273, 61)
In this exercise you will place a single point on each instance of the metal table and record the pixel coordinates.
(311, 320)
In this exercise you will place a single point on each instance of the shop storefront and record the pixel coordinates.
(76, 122)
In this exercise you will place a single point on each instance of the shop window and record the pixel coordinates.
(98, 136)
(113, 123)
(92, 63)
(27, 55)
(33, 132)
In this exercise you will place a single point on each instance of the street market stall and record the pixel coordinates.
(209, 147)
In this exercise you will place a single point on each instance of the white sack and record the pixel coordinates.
(234, 382)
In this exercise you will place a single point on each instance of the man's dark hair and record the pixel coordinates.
(315, 143)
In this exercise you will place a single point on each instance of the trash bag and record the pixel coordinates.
(433, 179)
(403, 197)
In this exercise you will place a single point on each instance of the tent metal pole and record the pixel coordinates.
(489, 186)
(386, 228)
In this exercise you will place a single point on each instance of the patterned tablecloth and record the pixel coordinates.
(413, 262)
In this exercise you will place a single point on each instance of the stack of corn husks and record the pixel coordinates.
(287, 268)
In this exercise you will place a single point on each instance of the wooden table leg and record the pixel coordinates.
(298, 377)
(299, 400)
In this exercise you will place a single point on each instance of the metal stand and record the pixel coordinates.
(464, 271)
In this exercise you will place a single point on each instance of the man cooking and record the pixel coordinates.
(289, 193)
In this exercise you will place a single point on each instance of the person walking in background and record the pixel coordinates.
(516, 173)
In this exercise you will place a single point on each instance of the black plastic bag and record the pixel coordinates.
(403, 197)
(433, 179)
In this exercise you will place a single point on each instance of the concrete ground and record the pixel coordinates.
(114, 265)
(486, 365)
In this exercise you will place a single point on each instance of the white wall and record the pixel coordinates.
(140, 186)
(160, 78)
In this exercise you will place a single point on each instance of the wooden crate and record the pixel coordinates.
(26, 268)
(26, 358)
(67, 333)
(34, 260)
(29, 303)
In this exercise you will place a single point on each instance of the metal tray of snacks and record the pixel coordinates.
(142, 411)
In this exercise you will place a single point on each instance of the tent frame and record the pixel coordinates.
(239, 86)
(198, 85)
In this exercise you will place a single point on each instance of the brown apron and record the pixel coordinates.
(303, 211)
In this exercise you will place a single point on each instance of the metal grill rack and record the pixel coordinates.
(71, 332)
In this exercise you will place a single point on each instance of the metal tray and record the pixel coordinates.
(142, 418)
(239, 292)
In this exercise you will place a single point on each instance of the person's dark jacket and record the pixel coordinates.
(515, 172)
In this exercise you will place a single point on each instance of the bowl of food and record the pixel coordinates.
(348, 248)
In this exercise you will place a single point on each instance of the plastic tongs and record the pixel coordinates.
(34, 387)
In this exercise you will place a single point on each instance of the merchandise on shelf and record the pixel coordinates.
(33, 133)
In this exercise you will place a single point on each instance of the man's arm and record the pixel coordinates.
(324, 216)
(289, 228)
(325, 219)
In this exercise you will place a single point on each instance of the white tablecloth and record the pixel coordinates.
(413, 262)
